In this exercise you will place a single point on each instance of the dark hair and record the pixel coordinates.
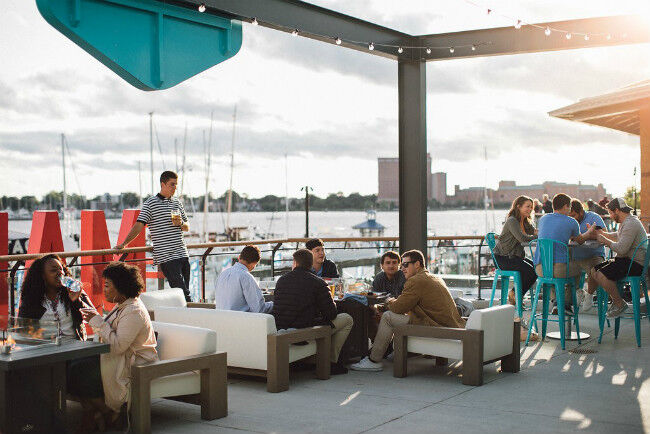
(167, 175)
(560, 200)
(313, 243)
(32, 292)
(250, 254)
(390, 254)
(304, 258)
(576, 206)
(415, 256)
(126, 278)
(514, 211)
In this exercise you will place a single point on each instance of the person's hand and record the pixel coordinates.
(87, 313)
(74, 296)
(177, 221)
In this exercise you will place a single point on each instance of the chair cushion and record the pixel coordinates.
(176, 340)
(298, 352)
(450, 348)
(243, 335)
(173, 297)
(187, 383)
(497, 324)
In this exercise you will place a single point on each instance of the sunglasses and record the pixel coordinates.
(406, 264)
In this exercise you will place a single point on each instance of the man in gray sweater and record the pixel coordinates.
(623, 242)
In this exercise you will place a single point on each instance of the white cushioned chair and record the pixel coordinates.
(189, 370)
(490, 335)
(254, 345)
(170, 297)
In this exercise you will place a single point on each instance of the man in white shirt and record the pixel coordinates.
(237, 288)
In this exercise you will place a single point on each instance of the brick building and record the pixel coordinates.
(388, 181)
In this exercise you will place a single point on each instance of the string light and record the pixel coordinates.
(473, 47)
(338, 41)
(608, 37)
(202, 7)
(254, 22)
(294, 32)
(547, 32)
(371, 46)
(586, 37)
(451, 50)
(518, 25)
(428, 50)
(568, 35)
(400, 50)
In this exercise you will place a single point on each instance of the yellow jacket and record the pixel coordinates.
(427, 301)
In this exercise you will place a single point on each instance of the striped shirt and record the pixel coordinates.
(168, 242)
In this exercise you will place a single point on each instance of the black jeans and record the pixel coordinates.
(177, 272)
(523, 265)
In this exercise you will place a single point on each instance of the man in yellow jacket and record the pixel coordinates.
(425, 300)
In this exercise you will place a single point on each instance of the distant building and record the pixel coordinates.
(388, 175)
(439, 187)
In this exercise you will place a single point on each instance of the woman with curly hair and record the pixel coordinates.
(128, 330)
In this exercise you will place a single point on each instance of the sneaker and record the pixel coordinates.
(616, 311)
(366, 364)
(587, 301)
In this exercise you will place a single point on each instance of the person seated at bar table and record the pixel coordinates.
(237, 288)
(390, 279)
(560, 227)
(630, 233)
(128, 330)
(302, 299)
(322, 267)
(425, 300)
(584, 257)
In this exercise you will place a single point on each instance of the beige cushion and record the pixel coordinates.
(173, 297)
(187, 383)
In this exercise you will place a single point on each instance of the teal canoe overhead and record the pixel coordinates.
(150, 44)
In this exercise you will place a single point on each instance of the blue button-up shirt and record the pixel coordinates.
(579, 252)
(238, 290)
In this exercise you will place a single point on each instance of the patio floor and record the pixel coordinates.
(606, 388)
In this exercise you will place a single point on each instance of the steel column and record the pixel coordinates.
(411, 80)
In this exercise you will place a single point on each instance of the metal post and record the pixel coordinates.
(12, 290)
(203, 259)
(411, 79)
(480, 246)
(306, 188)
(275, 249)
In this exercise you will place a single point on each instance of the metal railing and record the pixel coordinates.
(208, 249)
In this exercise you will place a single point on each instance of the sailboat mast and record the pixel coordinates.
(485, 196)
(232, 166)
(286, 194)
(183, 161)
(65, 186)
(151, 149)
(140, 182)
(207, 150)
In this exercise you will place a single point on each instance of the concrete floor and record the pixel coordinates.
(605, 389)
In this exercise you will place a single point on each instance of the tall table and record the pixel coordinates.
(33, 386)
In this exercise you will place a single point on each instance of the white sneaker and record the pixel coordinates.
(366, 364)
(587, 301)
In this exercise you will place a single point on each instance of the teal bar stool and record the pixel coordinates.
(505, 276)
(544, 285)
(636, 284)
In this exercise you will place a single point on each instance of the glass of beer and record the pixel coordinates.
(176, 215)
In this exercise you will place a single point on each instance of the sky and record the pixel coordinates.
(319, 113)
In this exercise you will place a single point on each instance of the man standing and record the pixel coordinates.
(390, 279)
(302, 299)
(322, 267)
(425, 300)
(547, 205)
(237, 288)
(624, 242)
(165, 216)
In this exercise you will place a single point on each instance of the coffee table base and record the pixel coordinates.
(573, 336)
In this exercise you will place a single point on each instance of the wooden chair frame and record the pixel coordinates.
(213, 397)
(472, 341)
(277, 373)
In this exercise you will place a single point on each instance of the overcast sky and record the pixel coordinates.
(332, 110)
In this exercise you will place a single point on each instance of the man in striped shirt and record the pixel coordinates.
(165, 216)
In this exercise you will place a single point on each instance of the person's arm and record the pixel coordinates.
(121, 338)
(581, 238)
(253, 295)
(135, 230)
(407, 300)
(375, 283)
(624, 241)
(325, 303)
(514, 228)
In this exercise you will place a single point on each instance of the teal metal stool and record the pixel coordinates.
(636, 284)
(505, 276)
(544, 285)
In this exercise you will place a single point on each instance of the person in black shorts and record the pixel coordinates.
(628, 260)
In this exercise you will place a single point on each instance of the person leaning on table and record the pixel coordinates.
(128, 330)
(623, 242)
(586, 258)
(425, 300)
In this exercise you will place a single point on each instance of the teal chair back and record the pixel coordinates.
(642, 245)
(546, 249)
(490, 240)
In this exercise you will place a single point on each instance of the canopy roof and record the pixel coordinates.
(618, 110)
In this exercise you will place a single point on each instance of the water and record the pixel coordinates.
(323, 223)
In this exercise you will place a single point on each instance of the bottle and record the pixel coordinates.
(70, 283)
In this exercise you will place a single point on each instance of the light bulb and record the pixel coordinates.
(371, 46)
(518, 25)
(295, 32)
(609, 37)
(473, 47)
(254, 22)
(451, 49)
(547, 32)
(338, 41)
(202, 7)
(586, 37)
(400, 50)
(428, 50)
(568, 35)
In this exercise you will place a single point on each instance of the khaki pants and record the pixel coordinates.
(342, 326)
(559, 270)
(588, 263)
(389, 321)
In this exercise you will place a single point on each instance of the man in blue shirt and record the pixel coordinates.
(237, 288)
(586, 257)
(560, 227)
